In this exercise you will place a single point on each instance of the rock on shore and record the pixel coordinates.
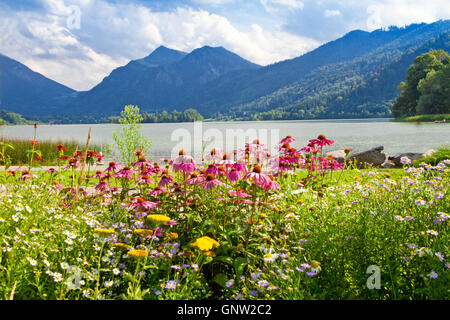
(377, 158)
(374, 157)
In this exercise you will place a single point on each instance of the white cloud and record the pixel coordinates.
(276, 6)
(403, 12)
(332, 13)
(213, 2)
(111, 35)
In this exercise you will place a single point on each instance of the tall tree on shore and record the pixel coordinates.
(434, 92)
(429, 63)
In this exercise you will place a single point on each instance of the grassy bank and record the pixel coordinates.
(424, 118)
(440, 155)
(17, 150)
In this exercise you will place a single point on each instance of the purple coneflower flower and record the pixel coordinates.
(126, 173)
(210, 182)
(141, 203)
(321, 141)
(183, 163)
(234, 175)
(112, 166)
(259, 178)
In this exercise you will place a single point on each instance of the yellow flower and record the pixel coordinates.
(172, 235)
(262, 215)
(104, 232)
(137, 253)
(205, 243)
(158, 218)
(315, 264)
(121, 245)
(144, 232)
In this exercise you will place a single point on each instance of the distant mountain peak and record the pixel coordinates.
(162, 55)
(218, 55)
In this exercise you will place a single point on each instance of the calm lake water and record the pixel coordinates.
(358, 134)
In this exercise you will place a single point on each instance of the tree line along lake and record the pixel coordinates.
(359, 134)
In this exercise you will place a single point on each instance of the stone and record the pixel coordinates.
(428, 153)
(388, 164)
(410, 155)
(374, 157)
(338, 155)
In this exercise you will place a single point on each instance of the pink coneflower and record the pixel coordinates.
(142, 204)
(101, 186)
(272, 184)
(177, 189)
(144, 179)
(99, 174)
(212, 169)
(287, 139)
(256, 146)
(112, 166)
(214, 155)
(165, 180)
(347, 150)
(171, 223)
(239, 193)
(284, 146)
(126, 173)
(258, 177)
(194, 179)
(183, 163)
(156, 191)
(321, 141)
(73, 163)
(311, 148)
(157, 168)
(27, 175)
(330, 163)
(210, 182)
(226, 161)
(240, 167)
(52, 171)
(234, 175)
(142, 163)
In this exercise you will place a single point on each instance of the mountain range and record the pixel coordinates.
(356, 75)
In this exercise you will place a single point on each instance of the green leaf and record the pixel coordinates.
(208, 260)
(225, 259)
(221, 279)
(239, 265)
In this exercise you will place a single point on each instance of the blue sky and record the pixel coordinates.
(79, 42)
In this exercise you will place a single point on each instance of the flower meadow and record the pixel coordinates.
(242, 225)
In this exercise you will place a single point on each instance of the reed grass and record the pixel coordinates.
(424, 118)
(50, 154)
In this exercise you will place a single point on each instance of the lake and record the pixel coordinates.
(168, 138)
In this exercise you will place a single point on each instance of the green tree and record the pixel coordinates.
(434, 92)
(191, 115)
(128, 138)
(406, 104)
